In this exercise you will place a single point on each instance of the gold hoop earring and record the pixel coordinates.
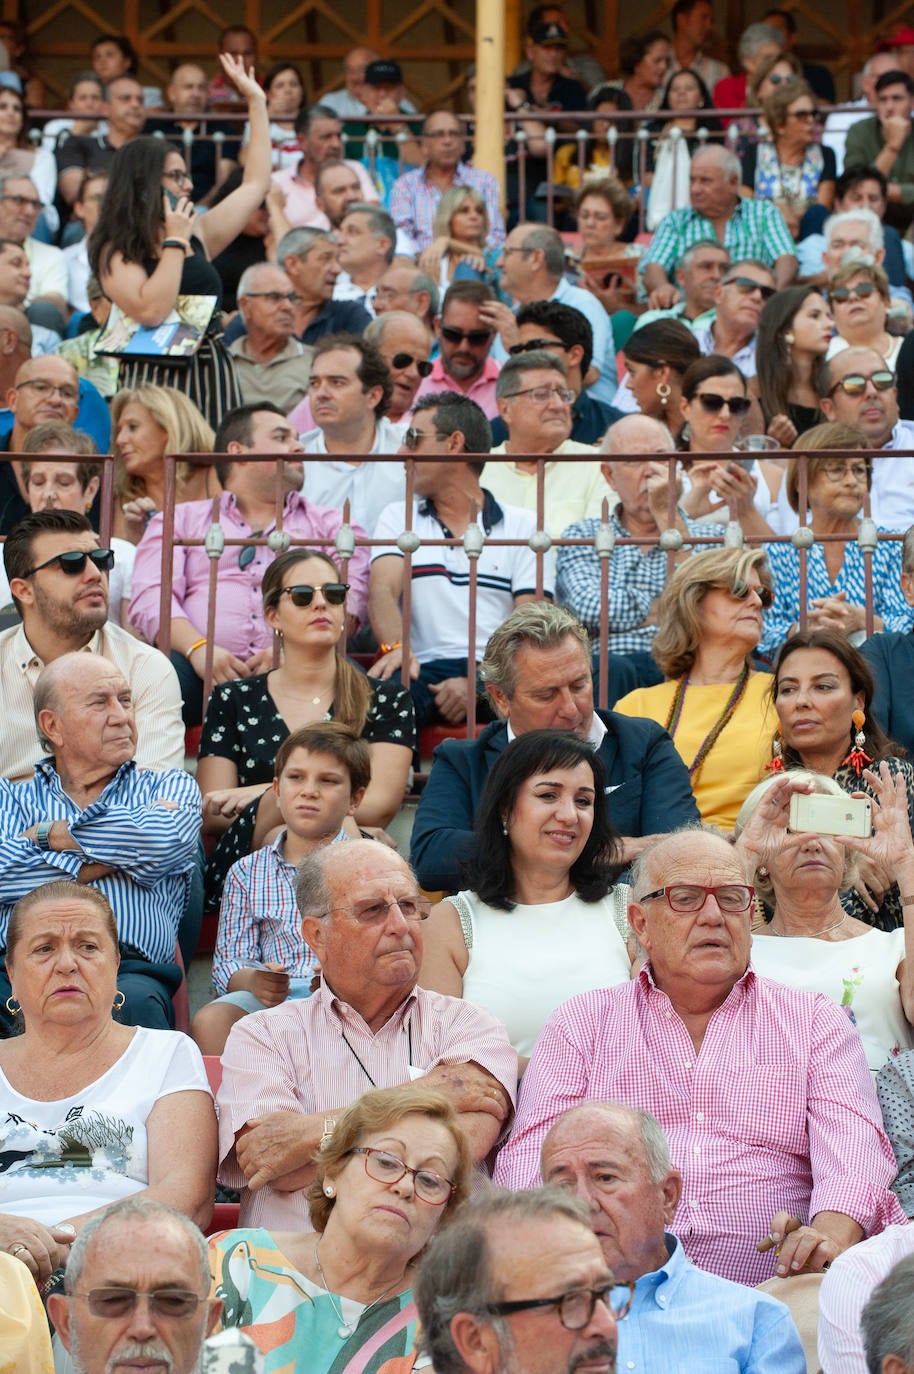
(117, 1004)
(13, 1010)
(664, 391)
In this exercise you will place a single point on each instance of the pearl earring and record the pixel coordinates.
(329, 1190)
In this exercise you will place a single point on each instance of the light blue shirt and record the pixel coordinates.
(684, 1320)
(604, 347)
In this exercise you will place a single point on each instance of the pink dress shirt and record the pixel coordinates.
(777, 1111)
(240, 626)
(482, 391)
(295, 1058)
(301, 209)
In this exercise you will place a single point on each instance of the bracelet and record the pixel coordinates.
(177, 243)
(329, 1128)
(908, 901)
(389, 648)
(198, 644)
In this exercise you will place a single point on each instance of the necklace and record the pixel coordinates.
(813, 935)
(346, 1328)
(723, 720)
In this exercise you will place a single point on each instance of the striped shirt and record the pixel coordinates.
(316, 1055)
(845, 1290)
(414, 202)
(756, 229)
(259, 921)
(146, 825)
(776, 1112)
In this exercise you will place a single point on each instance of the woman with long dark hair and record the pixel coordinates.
(149, 248)
(539, 891)
(657, 357)
(794, 331)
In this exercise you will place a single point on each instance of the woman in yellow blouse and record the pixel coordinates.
(712, 703)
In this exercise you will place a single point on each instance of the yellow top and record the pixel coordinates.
(25, 1345)
(736, 762)
(571, 491)
(565, 169)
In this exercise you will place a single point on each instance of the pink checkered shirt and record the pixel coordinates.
(776, 1112)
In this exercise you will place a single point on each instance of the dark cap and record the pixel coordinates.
(549, 33)
(383, 73)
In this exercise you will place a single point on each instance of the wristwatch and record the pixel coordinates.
(43, 834)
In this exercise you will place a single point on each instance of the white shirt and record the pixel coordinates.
(836, 127)
(845, 1290)
(49, 270)
(892, 494)
(368, 487)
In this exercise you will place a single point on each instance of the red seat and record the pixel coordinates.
(432, 735)
(225, 1214)
(213, 1065)
(192, 740)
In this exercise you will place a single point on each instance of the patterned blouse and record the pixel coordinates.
(243, 724)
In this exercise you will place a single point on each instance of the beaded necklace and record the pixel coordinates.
(723, 720)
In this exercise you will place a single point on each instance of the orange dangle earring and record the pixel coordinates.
(857, 757)
(777, 757)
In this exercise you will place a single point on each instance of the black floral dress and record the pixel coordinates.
(243, 724)
(890, 915)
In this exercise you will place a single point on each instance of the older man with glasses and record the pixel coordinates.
(270, 363)
(763, 1091)
(286, 1074)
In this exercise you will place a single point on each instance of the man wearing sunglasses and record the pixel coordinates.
(859, 390)
(518, 1282)
(136, 1292)
(59, 578)
(765, 1133)
(270, 363)
(616, 1160)
(465, 339)
(405, 344)
(243, 641)
(740, 298)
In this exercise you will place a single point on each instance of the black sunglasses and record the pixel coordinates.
(535, 344)
(334, 593)
(401, 360)
(714, 404)
(861, 291)
(474, 337)
(74, 560)
(742, 590)
(746, 285)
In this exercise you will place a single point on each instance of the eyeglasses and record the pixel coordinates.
(274, 297)
(542, 394)
(711, 402)
(836, 471)
(802, 114)
(506, 251)
(839, 294)
(334, 593)
(742, 590)
(746, 286)
(575, 1309)
(176, 1303)
(412, 438)
(19, 201)
(384, 1167)
(65, 392)
(776, 79)
(689, 898)
(179, 176)
(854, 384)
(474, 337)
(401, 360)
(533, 344)
(372, 913)
(443, 133)
(74, 560)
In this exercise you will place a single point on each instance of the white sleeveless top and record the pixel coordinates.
(524, 963)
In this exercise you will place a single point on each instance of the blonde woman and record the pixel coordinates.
(860, 297)
(147, 423)
(712, 703)
(460, 232)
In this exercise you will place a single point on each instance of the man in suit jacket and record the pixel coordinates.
(537, 671)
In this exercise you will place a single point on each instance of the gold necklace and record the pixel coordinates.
(811, 935)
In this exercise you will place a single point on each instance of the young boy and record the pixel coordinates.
(260, 959)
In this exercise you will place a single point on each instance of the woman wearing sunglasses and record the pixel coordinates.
(712, 703)
(835, 570)
(304, 603)
(716, 410)
(791, 167)
(860, 299)
(390, 1170)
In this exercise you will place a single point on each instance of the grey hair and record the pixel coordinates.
(862, 216)
(249, 277)
(642, 868)
(136, 1209)
(45, 695)
(312, 892)
(887, 1320)
(907, 551)
(548, 242)
(298, 242)
(375, 330)
(541, 624)
(16, 176)
(824, 786)
(700, 246)
(456, 1272)
(380, 224)
(534, 361)
(423, 282)
(757, 36)
(650, 1132)
(728, 162)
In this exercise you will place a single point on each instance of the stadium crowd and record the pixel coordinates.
(345, 482)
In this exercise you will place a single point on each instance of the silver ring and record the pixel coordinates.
(17, 1249)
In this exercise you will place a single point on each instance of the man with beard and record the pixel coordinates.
(136, 1291)
(61, 595)
(517, 1283)
(465, 340)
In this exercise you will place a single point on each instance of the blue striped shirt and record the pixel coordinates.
(145, 824)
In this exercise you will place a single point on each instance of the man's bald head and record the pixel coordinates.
(638, 434)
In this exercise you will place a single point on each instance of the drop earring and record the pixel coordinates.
(857, 757)
(664, 391)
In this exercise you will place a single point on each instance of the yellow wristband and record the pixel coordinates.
(194, 647)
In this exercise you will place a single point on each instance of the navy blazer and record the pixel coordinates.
(649, 794)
